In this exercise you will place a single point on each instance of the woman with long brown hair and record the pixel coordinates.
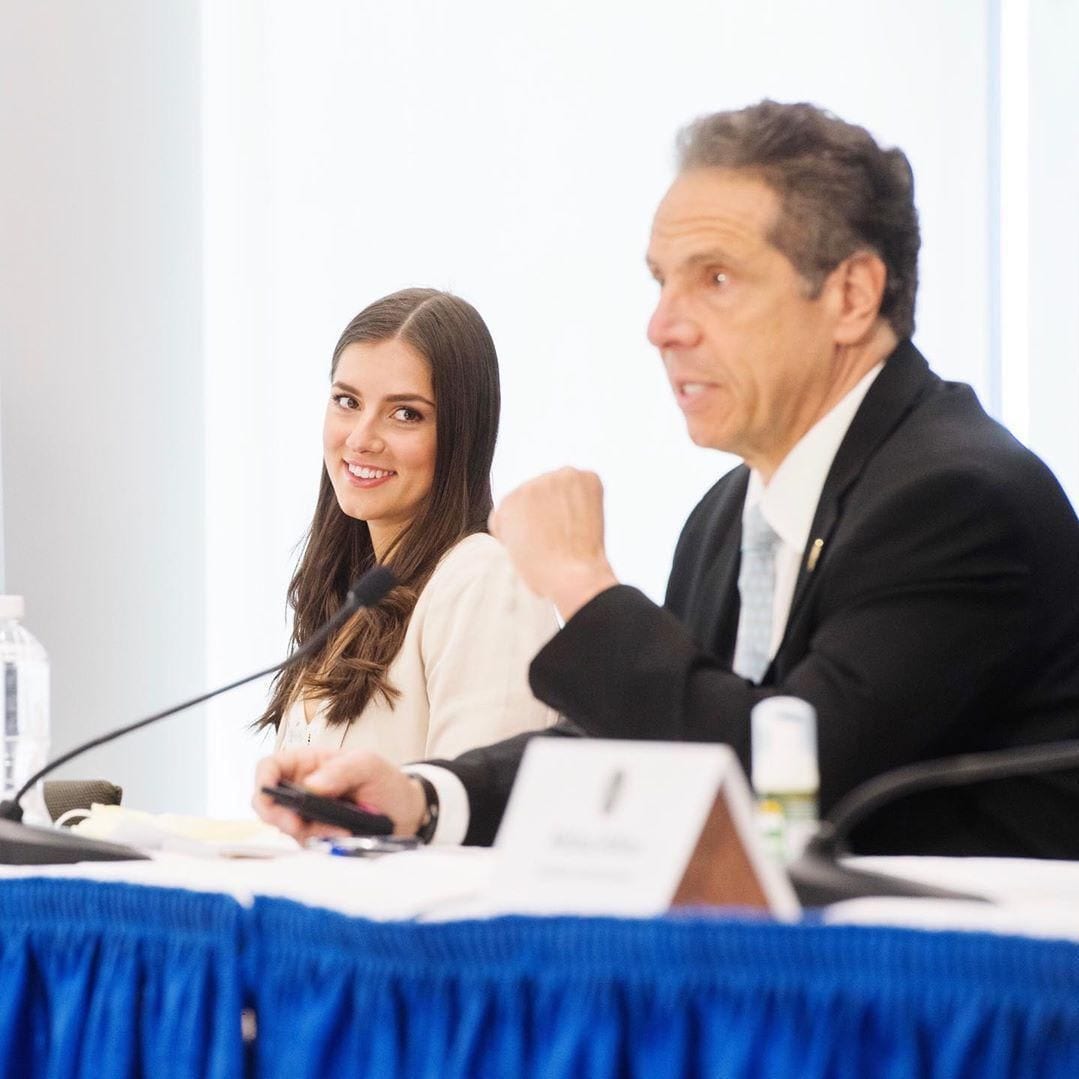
(440, 665)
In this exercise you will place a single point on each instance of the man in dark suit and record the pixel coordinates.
(887, 551)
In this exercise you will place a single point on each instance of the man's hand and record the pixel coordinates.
(365, 778)
(552, 527)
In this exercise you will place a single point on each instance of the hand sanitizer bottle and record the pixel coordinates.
(783, 733)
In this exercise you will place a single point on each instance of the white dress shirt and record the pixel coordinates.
(788, 504)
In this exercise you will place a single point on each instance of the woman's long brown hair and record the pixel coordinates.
(350, 669)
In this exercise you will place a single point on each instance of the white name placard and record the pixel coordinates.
(601, 826)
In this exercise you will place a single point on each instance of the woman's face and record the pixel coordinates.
(379, 436)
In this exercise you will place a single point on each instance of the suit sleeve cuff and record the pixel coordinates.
(453, 814)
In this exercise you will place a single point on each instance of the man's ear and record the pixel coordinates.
(858, 288)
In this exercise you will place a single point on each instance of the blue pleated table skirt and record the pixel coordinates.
(125, 980)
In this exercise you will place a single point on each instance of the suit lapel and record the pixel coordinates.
(905, 377)
(712, 610)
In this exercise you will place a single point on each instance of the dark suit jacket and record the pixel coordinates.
(941, 617)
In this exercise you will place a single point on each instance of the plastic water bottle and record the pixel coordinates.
(786, 779)
(26, 706)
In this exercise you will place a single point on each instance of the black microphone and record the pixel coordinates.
(818, 877)
(24, 844)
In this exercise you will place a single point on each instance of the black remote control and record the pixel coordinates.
(336, 811)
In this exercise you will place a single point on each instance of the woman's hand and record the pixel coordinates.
(364, 778)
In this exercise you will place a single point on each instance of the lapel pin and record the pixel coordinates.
(814, 554)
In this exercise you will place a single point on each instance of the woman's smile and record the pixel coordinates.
(367, 476)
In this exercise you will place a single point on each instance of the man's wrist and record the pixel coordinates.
(578, 587)
(425, 830)
(453, 809)
(417, 809)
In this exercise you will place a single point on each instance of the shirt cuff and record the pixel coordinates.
(453, 814)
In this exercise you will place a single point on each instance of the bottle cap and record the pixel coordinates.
(784, 746)
(12, 607)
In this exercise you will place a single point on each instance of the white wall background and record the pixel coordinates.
(1051, 291)
(513, 153)
(101, 366)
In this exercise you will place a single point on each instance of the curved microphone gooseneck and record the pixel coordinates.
(959, 771)
(366, 592)
(819, 878)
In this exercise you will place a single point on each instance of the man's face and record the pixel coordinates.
(750, 357)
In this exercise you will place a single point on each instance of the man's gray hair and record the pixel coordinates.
(839, 191)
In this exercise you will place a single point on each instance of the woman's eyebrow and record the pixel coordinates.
(392, 398)
(397, 398)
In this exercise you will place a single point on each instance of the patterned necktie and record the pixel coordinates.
(756, 586)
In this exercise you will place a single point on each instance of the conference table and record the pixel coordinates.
(185, 968)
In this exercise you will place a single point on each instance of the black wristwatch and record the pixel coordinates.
(425, 832)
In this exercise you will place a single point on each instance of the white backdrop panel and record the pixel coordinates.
(515, 155)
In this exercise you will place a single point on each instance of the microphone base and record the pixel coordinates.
(27, 844)
(820, 880)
